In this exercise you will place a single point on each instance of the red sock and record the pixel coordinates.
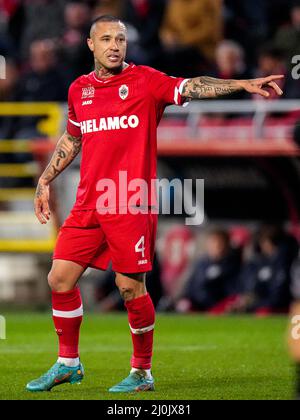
(141, 316)
(67, 317)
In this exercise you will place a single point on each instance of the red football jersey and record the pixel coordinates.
(118, 119)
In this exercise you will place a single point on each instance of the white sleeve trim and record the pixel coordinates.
(178, 92)
(182, 85)
(74, 123)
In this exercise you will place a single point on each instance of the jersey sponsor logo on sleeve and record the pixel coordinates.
(110, 123)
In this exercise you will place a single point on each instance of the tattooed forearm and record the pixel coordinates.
(39, 190)
(67, 148)
(76, 146)
(55, 170)
(208, 87)
(61, 154)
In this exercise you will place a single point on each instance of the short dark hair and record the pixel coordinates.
(106, 18)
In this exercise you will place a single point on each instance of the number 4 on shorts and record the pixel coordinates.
(140, 246)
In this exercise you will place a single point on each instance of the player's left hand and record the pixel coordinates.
(256, 85)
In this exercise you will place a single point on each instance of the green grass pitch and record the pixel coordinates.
(195, 357)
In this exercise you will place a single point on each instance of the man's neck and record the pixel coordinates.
(104, 73)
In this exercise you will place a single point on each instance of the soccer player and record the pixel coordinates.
(113, 116)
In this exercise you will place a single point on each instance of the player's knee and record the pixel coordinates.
(131, 286)
(55, 281)
(127, 293)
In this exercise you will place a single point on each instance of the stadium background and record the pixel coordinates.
(245, 148)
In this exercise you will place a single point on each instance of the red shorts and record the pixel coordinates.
(93, 240)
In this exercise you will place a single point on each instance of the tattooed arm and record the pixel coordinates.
(67, 148)
(208, 87)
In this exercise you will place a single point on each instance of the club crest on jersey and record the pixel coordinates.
(123, 92)
(88, 92)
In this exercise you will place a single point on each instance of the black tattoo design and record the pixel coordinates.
(209, 87)
(67, 148)
(55, 170)
(104, 73)
(101, 71)
(39, 191)
(61, 155)
(76, 145)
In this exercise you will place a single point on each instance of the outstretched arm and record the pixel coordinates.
(209, 87)
(67, 148)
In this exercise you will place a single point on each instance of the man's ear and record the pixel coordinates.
(90, 44)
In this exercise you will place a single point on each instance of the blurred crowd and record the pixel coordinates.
(44, 41)
(228, 271)
(250, 275)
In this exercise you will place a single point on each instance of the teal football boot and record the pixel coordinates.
(59, 374)
(135, 382)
